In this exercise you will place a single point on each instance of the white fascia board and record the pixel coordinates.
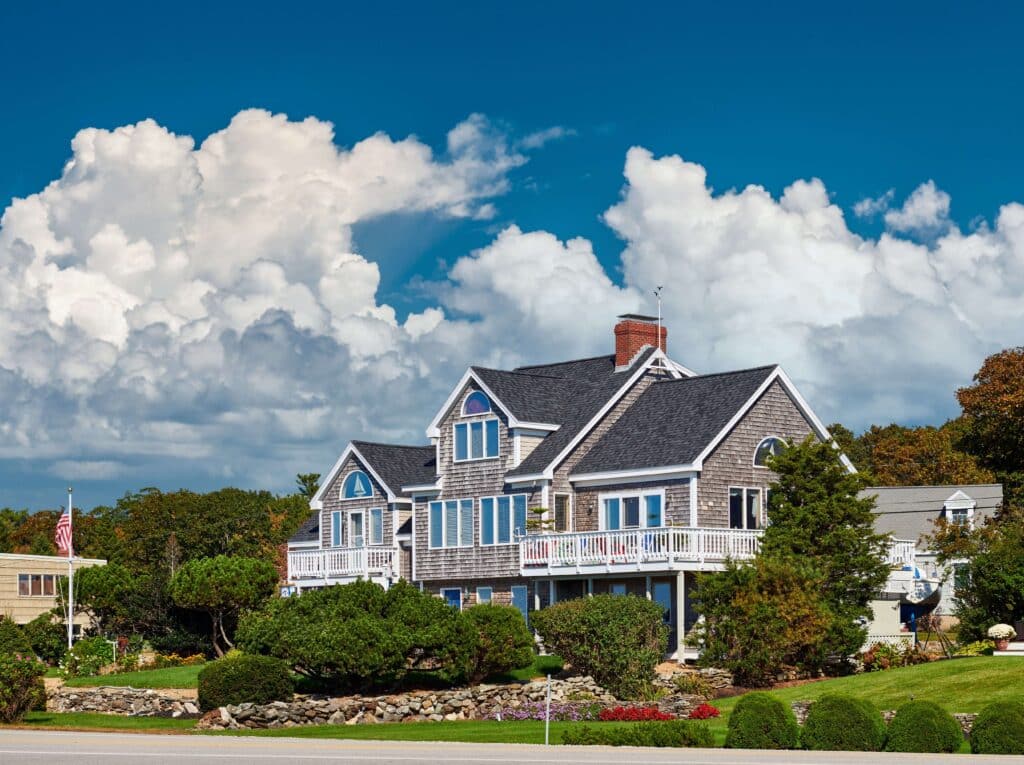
(317, 502)
(685, 371)
(51, 559)
(527, 480)
(817, 424)
(549, 471)
(663, 473)
(540, 428)
(434, 429)
(308, 544)
(423, 488)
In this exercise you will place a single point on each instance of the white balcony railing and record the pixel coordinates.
(341, 562)
(668, 545)
(665, 545)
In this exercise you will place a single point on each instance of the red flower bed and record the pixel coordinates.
(633, 714)
(704, 711)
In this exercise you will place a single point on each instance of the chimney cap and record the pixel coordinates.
(638, 317)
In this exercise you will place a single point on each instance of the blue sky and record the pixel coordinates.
(884, 98)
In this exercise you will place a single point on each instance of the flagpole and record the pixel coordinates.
(71, 574)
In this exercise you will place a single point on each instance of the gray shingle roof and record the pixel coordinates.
(907, 512)
(673, 421)
(580, 404)
(400, 466)
(309, 531)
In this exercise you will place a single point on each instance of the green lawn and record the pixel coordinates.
(960, 685)
(170, 677)
(96, 721)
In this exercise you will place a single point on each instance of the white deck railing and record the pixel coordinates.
(669, 545)
(339, 562)
(901, 553)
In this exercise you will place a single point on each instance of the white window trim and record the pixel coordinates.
(469, 439)
(444, 597)
(620, 495)
(369, 526)
(337, 523)
(341, 488)
(569, 515)
(490, 598)
(511, 519)
(464, 413)
(753, 458)
(444, 526)
(762, 511)
(42, 585)
(351, 527)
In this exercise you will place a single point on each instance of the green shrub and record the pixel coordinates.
(21, 685)
(999, 729)
(87, 657)
(693, 684)
(843, 723)
(358, 636)
(504, 641)
(13, 638)
(616, 639)
(665, 734)
(761, 721)
(254, 679)
(49, 639)
(923, 726)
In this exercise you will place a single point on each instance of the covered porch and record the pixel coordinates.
(340, 565)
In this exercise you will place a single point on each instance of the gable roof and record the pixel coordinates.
(309, 531)
(907, 512)
(674, 421)
(391, 465)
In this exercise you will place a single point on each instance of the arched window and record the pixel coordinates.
(770, 445)
(356, 485)
(476, 403)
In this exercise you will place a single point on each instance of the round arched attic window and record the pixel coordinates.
(476, 403)
(769, 446)
(357, 485)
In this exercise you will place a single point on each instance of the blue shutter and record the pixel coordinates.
(461, 442)
(492, 438)
(653, 509)
(466, 532)
(487, 521)
(336, 528)
(435, 525)
(504, 521)
(519, 515)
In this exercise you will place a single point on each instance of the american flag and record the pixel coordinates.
(63, 535)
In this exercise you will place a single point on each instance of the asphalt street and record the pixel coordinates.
(25, 746)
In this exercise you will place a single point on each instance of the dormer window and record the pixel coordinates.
(476, 440)
(959, 508)
(357, 485)
(476, 403)
(770, 446)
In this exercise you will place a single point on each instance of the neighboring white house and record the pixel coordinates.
(919, 586)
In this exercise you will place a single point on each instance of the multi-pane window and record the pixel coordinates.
(476, 440)
(502, 519)
(483, 595)
(632, 511)
(744, 508)
(36, 585)
(451, 523)
(562, 520)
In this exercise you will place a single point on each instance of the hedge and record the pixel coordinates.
(843, 723)
(677, 733)
(761, 721)
(999, 729)
(504, 641)
(923, 726)
(242, 679)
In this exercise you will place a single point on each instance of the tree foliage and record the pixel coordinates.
(616, 639)
(221, 587)
(358, 636)
(308, 484)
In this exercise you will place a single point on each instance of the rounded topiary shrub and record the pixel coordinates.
(843, 723)
(999, 729)
(505, 642)
(923, 726)
(255, 679)
(761, 721)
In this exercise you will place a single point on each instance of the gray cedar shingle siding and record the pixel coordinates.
(908, 512)
(332, 501)
(732, 461)
(676, 510)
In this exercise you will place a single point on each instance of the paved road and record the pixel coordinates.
(24, 746)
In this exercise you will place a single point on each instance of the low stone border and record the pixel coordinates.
(107, 699)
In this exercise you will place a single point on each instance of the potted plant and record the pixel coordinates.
(1002, 634)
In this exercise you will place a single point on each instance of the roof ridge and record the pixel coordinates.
(722, 374)
(534, 374)
(393, 446)
(570, 361)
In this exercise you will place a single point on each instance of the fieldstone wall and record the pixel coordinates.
(966, 719)
(133, 702)
(415, 706)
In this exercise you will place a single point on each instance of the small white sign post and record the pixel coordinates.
(547, 716)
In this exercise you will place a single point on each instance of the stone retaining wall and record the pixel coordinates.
(133, 702)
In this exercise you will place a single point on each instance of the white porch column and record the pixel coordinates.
(647, 587)
(590, 587)
(693, 501)
(680, 614)
(551, 592)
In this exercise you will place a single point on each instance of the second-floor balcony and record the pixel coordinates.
(664, 548)
(340, 563)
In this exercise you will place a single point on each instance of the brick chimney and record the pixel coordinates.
(632, 333)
